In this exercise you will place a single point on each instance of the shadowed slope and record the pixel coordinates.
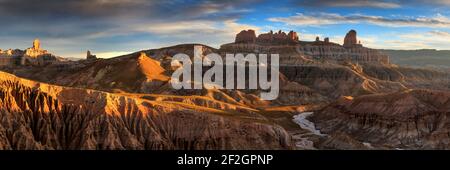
(408, 119)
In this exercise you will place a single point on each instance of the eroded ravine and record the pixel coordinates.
(40, 116)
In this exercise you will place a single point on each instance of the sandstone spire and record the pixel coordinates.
(36, 44)
(89, 56)
(293, 35)
(350, 39)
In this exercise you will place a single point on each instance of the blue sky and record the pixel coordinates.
(113, 27)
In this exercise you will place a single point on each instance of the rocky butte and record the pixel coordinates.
(90, 56)
(294, 51)
(350, 39)
(249, 36)
(34, 56)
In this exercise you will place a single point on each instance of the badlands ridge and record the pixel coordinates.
(359, 98)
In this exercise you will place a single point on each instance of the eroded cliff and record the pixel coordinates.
(412, 119)
(36, 115)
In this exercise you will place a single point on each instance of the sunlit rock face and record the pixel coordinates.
(36, 44)
(41, 116)
(10, 57)
(36, 50)
(127, 102)
(34, 56)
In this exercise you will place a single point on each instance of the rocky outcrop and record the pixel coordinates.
(293, 36)
(315, 50)
(34, 56)
(36, 44)
(10, 57)
(412, 119)
(246, 36)
(354, 79)
(277, 38)
(41, 116)
(350, 39)
(350, 51)
(90, 57)
(334, 81)
(134, 73)
(249, 36)
(35, 51)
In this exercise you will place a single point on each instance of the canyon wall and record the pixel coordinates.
(247, 42)
(409, 119)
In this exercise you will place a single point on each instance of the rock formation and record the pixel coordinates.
(410, 119)
(10, 57)
(246, 36)
(350, 39)
(42, 116)
(293, 36)
(34, 56)
(35, 51)
(135, 107)
(336, 81)
(277, 38)
(36, 44)
(90, 56)
(249, 36)
(294, 51)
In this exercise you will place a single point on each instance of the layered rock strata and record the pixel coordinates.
(410, 119)
(42, 116)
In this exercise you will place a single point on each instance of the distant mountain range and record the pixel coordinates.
(420, 58)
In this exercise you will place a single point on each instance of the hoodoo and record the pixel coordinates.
(90, 56)
(36, 44)
(350, 39)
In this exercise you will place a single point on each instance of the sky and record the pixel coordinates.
(114, 27)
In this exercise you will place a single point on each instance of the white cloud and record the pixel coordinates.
(405, 41)
(70, 27)
(310, 37)
(431, 39)
(110, 54)
(350, 3)
(212, 33)
(409, 41)
(318, 19)
(195, 27)
(366, 4)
